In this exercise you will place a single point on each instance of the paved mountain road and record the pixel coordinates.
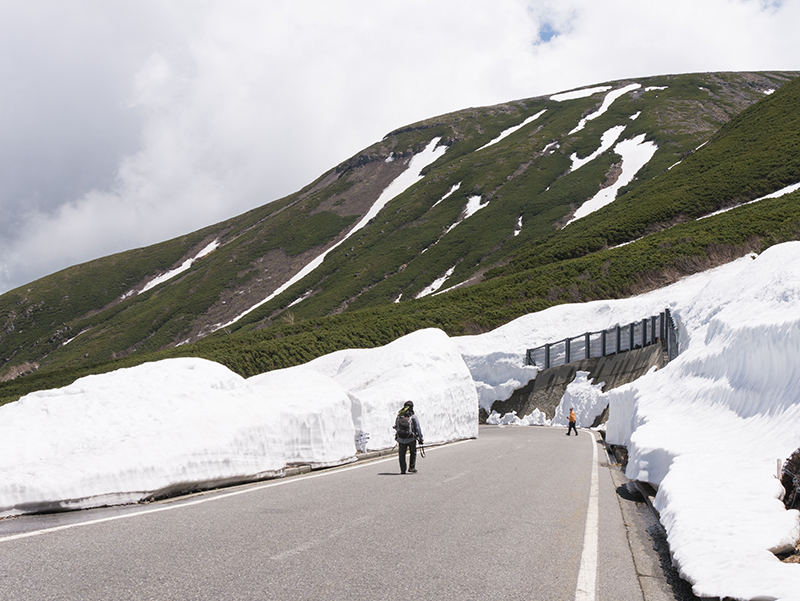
(500, 517)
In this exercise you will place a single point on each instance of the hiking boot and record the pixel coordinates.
(413, 470)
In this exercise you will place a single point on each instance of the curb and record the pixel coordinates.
(649, 495)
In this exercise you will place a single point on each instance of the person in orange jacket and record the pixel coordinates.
(572, 421)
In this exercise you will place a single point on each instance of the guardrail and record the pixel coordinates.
(619, 339)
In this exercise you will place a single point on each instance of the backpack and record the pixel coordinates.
(405, 427)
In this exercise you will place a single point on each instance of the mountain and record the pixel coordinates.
(463, 221)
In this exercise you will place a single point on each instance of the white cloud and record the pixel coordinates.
(128, 126)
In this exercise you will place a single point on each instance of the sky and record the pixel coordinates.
(125, 124)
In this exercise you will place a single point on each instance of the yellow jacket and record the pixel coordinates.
(572, 415)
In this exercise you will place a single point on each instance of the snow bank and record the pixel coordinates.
(315, 415)
(535, 418)
(708, 429)
(119, 437)
(424, 367)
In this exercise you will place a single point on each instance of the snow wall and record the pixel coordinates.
(710, 428)
(191, 423)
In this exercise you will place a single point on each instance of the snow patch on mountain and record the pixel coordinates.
(449, 194)
(437, 283)
(606, 141)
(400, 184)
(513, 129)
(174, 272)
(635, 153)
(777, 194)
(607, 102)
(473, 205)
(576, 94)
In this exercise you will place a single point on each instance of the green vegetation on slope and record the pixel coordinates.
(412, 242)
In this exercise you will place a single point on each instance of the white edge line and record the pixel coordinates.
(587, 576)
(247, 489)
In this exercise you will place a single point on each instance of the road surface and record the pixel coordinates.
(519, 513)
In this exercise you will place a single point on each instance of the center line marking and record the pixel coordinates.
(587, 576)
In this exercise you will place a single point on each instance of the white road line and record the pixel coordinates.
(180, 505)
(587, 576)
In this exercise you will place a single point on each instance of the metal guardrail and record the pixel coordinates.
(619, 339)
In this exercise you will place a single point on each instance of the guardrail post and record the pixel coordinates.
(653, 336)
(644, 333)
(547, 356)
(587, 338)
(603, 343)
(619, 339)
(566, 351)
(632, 336)
(668, 330)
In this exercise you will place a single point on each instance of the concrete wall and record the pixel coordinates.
(545, 392)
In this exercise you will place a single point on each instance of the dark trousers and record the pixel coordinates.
(412, 448)
(571, 428)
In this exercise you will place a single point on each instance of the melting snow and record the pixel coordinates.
(473, 206)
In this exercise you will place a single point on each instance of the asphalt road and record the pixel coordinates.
(500, 517)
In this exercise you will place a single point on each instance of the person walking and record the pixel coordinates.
(572, 421)
(407, 433)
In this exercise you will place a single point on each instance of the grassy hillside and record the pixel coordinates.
(749, 148)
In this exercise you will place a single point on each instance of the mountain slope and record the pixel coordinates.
(481, 210)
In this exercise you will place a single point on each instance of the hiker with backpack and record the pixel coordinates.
(407, 433)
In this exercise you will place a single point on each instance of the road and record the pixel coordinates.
(511, 515)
